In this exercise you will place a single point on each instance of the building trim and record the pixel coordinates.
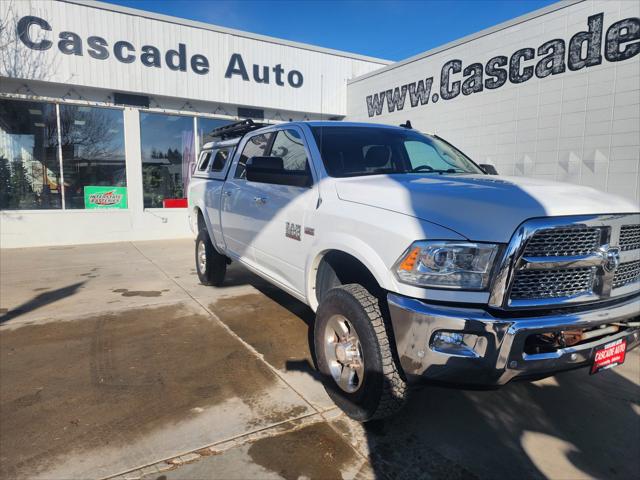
(216, 28)
(469, 38)
(166, 110)
(92, 103)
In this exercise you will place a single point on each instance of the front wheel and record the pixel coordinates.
(355, 356)
(210, 265)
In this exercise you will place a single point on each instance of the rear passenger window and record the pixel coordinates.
(256, 147)
(289, 146)
(219, 159)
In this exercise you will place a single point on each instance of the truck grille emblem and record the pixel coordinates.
(610, 258)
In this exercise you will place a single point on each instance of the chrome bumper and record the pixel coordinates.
(494, 351)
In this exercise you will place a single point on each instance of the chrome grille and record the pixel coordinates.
(539, 284)
(558, 242)
(557, 261)
(626, 274)
(630, 237)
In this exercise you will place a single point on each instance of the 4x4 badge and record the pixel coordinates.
(292, 230)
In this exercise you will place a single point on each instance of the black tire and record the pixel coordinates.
(211, 272)
(383, 390)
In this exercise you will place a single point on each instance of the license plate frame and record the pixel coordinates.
(609, 355)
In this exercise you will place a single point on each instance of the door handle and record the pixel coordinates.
(260, 200)
(227, 193)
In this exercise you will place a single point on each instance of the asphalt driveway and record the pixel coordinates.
(115, 362)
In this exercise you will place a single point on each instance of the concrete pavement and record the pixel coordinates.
(116, 362)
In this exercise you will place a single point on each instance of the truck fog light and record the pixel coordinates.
(458, 344)
(451, 338)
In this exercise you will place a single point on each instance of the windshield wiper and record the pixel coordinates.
(387, 170)
(439, 172)
(448, 170)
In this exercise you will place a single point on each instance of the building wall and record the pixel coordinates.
(580, 126)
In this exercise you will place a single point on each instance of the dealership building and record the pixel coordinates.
(103, 109)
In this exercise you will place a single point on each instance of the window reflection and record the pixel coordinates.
(167, 153)
(29, 166)
(93, 158)
(206, 125)
(256, 146)
(288, 145)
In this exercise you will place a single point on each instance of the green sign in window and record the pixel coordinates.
(105, 197)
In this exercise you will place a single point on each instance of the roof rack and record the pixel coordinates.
(236, 129)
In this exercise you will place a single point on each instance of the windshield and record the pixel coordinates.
(355, 151)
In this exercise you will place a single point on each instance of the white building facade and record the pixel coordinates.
(103, 110)
(554, 94)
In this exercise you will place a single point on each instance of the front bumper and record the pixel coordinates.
(495, 353)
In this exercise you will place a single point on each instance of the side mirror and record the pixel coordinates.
(271, 170)
(488, 169)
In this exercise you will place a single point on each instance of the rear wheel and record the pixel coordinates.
(355, 356)
(210, 265)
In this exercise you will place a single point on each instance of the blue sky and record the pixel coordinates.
(390, 29)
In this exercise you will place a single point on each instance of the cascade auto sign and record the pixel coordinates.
(114, 49)
(585, 49)
(32, 32)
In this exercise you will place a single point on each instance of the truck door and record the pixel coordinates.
(282, 229)
(238, 210)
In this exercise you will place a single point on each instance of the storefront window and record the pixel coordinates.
(206, 125)
(93, 159)
(29, 166)
(167, 154)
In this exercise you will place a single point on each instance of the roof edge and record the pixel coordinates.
(216, 28)
(474, 36)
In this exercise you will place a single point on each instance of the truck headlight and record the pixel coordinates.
(444, 264)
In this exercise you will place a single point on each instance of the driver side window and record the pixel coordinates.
(289, 146)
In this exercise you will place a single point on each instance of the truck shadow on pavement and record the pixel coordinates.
(570, 426)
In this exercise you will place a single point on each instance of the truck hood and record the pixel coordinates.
(478, 207)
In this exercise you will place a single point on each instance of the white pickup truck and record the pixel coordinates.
(418, 264)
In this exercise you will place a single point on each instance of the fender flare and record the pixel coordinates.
(353, 246)
(195, 211)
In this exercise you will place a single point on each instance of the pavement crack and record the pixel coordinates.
(221, 446)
